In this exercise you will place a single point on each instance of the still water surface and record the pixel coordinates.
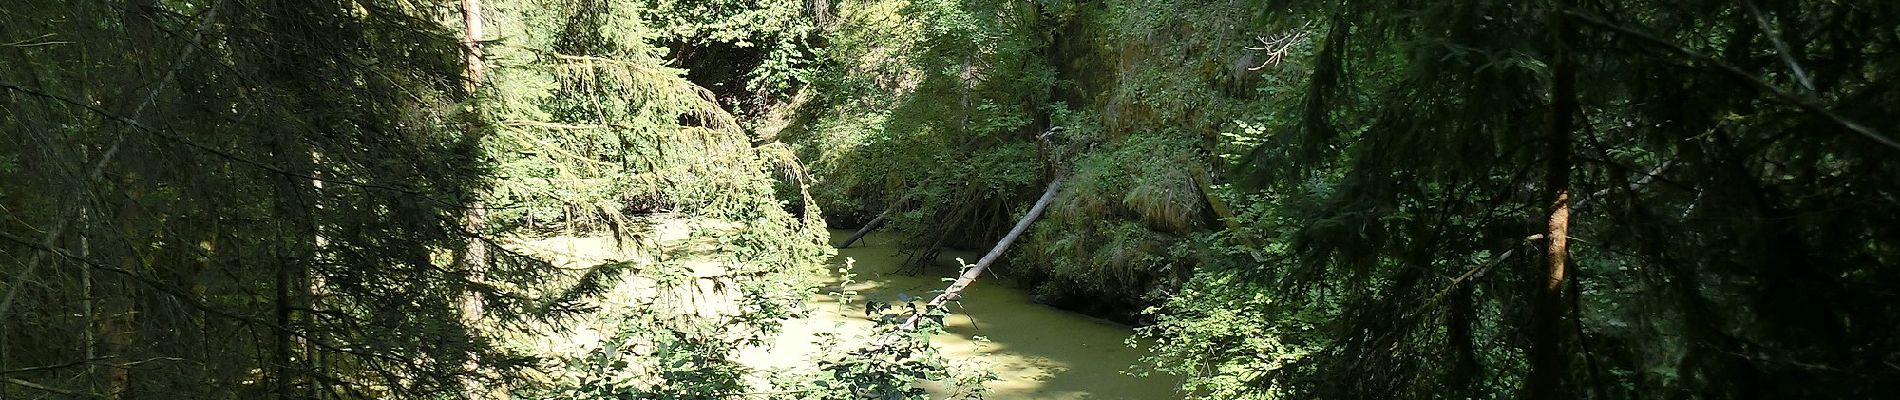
(1038, 352)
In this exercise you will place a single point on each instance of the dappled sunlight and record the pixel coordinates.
(1036, 351)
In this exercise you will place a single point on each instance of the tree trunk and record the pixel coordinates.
(1548, 361)
(295, 202)
(474, 258)
(868, 227)
(1214, 203)
(969, 276)
(472, 41)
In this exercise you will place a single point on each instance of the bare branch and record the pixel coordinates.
(56, 366)
(1278, 46)
(29, 42)
(98, 167)
(44, 388)
(133, 123)
(1805, 103)
(1781, 46)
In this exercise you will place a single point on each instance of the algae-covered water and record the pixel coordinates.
(1037, 352)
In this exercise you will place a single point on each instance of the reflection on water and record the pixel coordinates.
(1038, 352)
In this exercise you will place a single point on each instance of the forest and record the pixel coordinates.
(949, 199)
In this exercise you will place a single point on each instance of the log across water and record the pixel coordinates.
(1038, 352)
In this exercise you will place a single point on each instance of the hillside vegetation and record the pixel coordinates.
(590, 199)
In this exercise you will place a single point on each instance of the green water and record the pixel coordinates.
(1038, 352)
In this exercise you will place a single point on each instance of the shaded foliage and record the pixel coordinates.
(1349, 199)
(1702, 223)
(235, 199)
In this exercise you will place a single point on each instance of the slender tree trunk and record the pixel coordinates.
(474, 258)
(85, 306)
(471, 39)
(110, 302)
(311, 288)
(280, 344)
(296, 202)
(89, 335)
(293, 198)
(1548, 360)
(1464, 367)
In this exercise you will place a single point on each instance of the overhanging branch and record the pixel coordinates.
(1806, 103)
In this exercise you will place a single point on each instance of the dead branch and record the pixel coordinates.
(976, 270)
(1278, 46)
(1805, 103)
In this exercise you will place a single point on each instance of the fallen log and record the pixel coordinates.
(976, 270)
(868, 227)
